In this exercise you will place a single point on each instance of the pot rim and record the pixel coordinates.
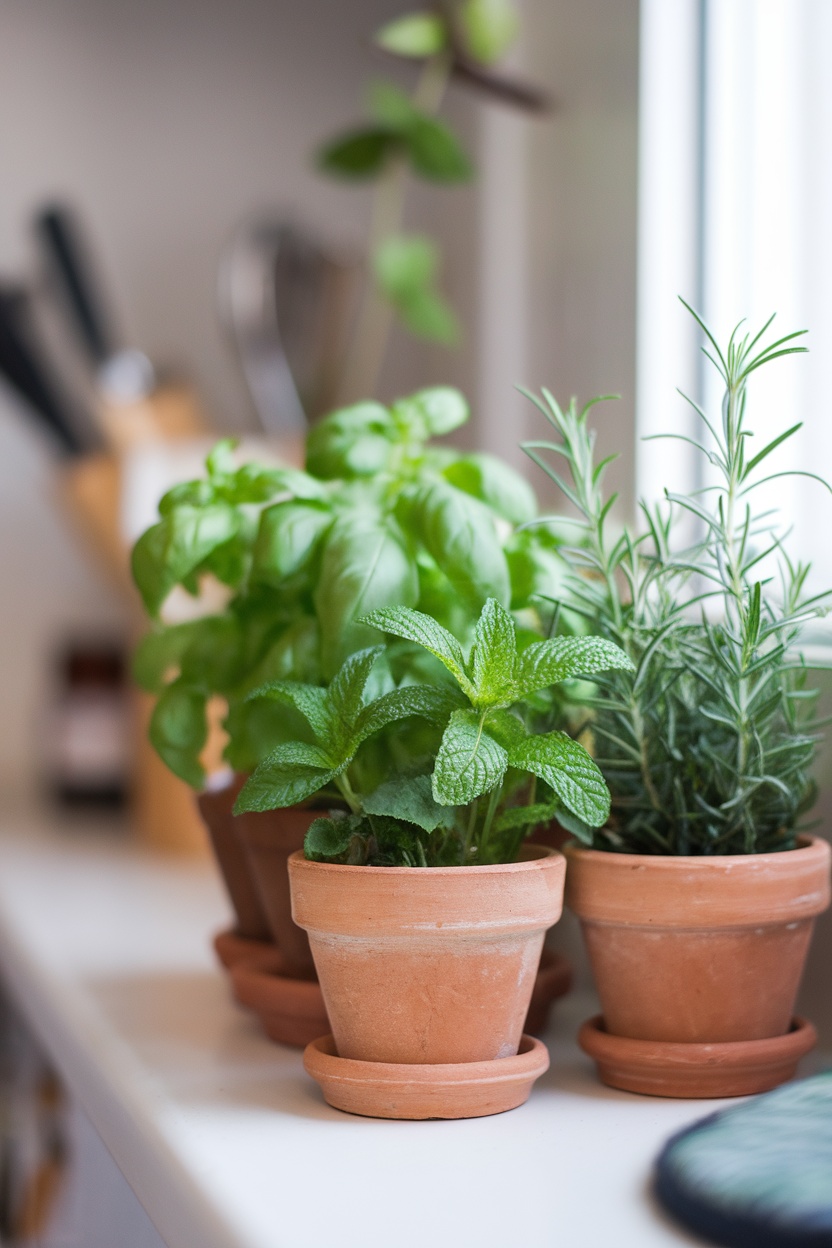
(694, 893)
(805, 844)
(543, 852)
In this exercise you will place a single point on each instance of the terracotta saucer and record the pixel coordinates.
(554, 979)
(232, 948)
(460, 1090)
(662, 1068)
(291, 1010)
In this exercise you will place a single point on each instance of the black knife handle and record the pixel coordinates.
(26, 373)
(64, 247)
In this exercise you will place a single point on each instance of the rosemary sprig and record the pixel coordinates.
(708, 749)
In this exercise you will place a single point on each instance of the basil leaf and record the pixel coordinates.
(159, 654)
(287, 540)
(355, 441)
(432, 412)
(167, 552)
(365, 565)
(496, 484)
(178, 732)
(459, 534)
(535, 571)
(568, 770)
(469, 762)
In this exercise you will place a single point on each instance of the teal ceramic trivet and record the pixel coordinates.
(757, 1175)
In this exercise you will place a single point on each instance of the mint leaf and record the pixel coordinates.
(310, 700)
(424, 630)
(435, 152)
(418, 35)
(580, 830)
(346, 691)
(506, 729)
(433, 704)
(327, 838)
(525, 816)
(469, 761)
(288, 775)
(545, 663)
(568, 770)
(493, 656)
(410, 798)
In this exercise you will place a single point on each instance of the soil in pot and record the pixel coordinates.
(698, 951)
(267, 839)
(215, 806)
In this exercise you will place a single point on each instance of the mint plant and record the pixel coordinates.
(708, 749)
(381, 516)
(482, 795)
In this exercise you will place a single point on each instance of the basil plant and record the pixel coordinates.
(470, 795)
(381, 517)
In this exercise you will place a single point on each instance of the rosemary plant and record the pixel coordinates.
(708, 749)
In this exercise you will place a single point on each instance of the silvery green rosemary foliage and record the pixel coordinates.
(707, 750)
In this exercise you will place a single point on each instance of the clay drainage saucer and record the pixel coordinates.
(457, 1090)
(231, 948)
(291, 1010)
(662, 1068)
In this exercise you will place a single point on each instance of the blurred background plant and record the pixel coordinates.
(460, 41)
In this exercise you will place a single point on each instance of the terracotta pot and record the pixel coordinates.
(268, 838)
(698, 950)
(427, 965)
(216, 806)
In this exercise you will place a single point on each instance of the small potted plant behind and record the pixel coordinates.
(425, 918)
(380, 517)
(698, 896)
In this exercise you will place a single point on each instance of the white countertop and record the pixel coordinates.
(222, 1136)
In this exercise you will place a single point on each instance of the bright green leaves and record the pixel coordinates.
(494, 483)
(339, 721)
(546, 663)
(459, 533)
(569, 770)
(173, 549)
(405, 267)
(351, 442)
(365, 564)
(469, 762)
(431, 413)
(481, 741)
(424, 630)
(493, 658)
(358, 154)
(488, 28)
(288, 539)
(416, 35)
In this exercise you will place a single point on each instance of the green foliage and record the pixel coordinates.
(483, 748)
(405, 270)
(417, 35)
(708, 749)
(377, 520)
(488, 28)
